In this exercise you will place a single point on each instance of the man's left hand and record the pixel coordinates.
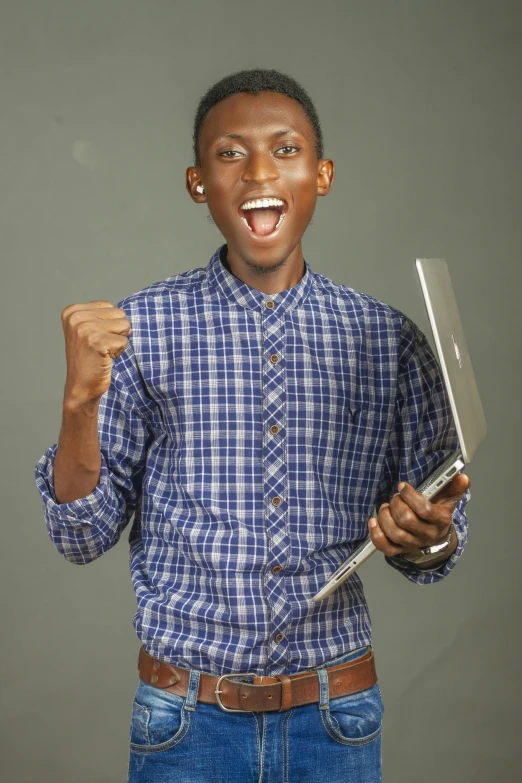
(410, 521)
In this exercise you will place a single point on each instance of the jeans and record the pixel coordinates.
(177, 739)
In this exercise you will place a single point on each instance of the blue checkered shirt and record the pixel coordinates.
(252, 435)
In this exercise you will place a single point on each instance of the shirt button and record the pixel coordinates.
(274, 429)
(274, 358)
(276, 569)
(278, 638)
(269, 304)
(276, 501)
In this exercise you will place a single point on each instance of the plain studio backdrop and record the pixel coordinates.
(420, 104)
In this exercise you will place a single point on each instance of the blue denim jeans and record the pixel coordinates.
(177, 739)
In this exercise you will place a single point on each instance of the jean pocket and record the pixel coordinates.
(355, 719)
(159, 720)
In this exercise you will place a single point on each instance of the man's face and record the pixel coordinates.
(256, 147)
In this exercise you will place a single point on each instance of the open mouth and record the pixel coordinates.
(263, 216)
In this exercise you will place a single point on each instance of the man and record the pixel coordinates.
(251, 414)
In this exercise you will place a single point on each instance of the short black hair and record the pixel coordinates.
(255, 81)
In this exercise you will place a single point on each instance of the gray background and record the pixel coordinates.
(421, 110)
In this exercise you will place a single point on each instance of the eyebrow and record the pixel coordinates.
(274, 135)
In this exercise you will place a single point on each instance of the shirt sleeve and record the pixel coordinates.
(84, 529)
(423, 437)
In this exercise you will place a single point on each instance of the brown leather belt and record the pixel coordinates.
(263, 694)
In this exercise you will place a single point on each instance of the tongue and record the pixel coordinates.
(262, 221)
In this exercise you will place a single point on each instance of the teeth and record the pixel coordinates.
(263, 203)
(281, 217)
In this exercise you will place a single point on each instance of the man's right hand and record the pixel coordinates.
(95, 334)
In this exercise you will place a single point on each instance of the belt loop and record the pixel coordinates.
(286, 692)
(324, 695)
(192, 689)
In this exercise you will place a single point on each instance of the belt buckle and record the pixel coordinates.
(217, 691)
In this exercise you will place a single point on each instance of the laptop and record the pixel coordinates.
(461, 388)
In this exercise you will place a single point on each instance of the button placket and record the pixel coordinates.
(275, 472)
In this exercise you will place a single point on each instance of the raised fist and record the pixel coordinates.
(95, 334)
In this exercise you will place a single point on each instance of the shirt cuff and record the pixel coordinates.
(78, 513)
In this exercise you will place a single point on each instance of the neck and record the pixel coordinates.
(269, 277)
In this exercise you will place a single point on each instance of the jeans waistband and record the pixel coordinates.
(344, 658)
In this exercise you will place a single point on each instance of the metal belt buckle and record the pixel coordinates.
(217, 691)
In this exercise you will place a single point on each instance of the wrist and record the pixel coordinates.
(437, 554)
(76, 406)
(445, 556)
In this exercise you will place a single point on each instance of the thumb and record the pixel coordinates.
(454, 491)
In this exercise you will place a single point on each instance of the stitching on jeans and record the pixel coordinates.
(345, 740)
(263, 744)
(286, 746)
(164, 745)
(257, 740)
(258, 744)
(185, 705)
(137, 707)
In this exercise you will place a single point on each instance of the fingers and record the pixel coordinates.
(96, 304)
(404, 532)
(98, 314)
(391, 539)
(401, 525)
(116, 347)
(410, 521)
(381, 541)
(111, 326)
(105, 342)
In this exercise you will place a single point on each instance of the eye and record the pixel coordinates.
(289, 149)
(229, 153)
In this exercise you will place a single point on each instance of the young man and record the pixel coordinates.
(251, 414)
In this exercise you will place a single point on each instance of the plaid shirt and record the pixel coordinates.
(252, 435)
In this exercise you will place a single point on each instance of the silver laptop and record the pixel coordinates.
(462, 391)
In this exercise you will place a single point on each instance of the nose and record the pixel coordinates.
(260, 168)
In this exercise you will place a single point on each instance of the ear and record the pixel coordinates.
(325, 176)
(192, 180)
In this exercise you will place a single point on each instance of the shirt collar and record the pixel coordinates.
(225, 284)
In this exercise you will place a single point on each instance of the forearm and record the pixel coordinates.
(90, 482)
(77, 463)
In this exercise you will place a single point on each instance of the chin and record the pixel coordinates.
(271, 254)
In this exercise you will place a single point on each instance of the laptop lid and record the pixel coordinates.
(453, 354)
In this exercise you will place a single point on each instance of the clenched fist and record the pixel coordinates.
(95, 334)
(410, 521)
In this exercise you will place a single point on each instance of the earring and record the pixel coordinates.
(200, 189)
